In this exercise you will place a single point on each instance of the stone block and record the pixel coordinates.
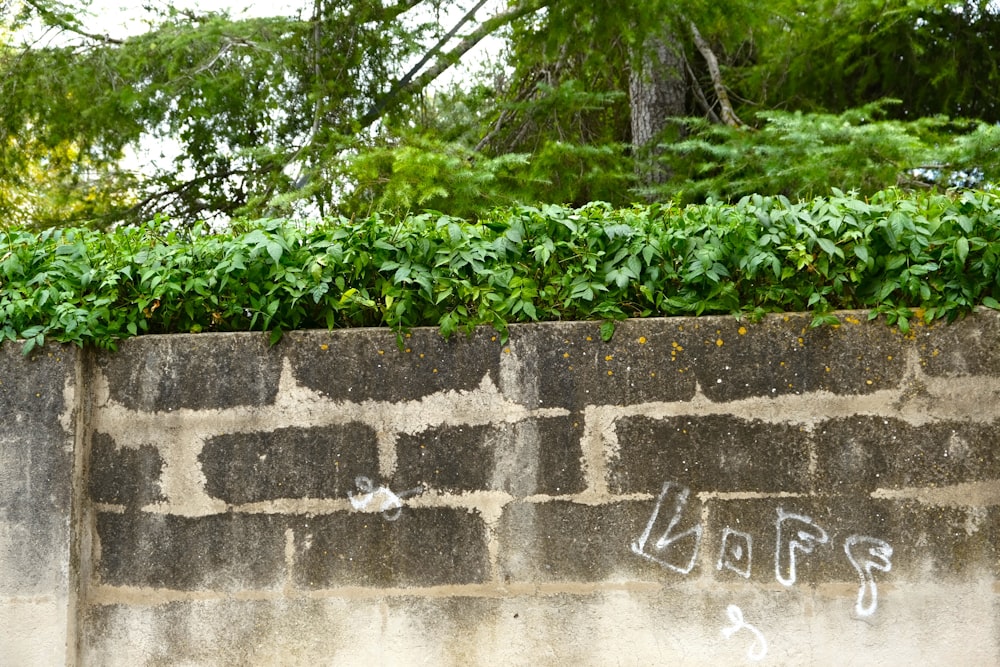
(403, 548)
(377, 365)
(709, 452)
(320, 462)
(196, 371)
(125, 476)
(860, 454)
(566, 541)
(219, 552)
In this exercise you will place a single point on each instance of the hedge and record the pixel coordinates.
(901, 255)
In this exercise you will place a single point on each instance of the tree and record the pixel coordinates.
(262, 110)
(934, 57)
(330, 109)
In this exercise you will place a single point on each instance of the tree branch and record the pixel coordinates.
(699, 95)
(60, 21)
(729, 116)
(411, 83)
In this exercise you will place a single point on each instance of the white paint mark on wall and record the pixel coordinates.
(381, 499)
(736, 554)
(758, 650)
(664, 550)
(795, 533)
(867, 554)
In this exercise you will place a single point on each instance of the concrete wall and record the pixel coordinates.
(695, 492)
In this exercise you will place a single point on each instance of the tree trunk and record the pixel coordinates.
(657, 92)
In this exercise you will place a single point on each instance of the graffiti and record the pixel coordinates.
(756, 652)
(795, 532)
(878, 554)
(736, 553)
(666, 547)
(379, 499)
(795, 535)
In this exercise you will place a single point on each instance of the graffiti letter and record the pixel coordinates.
(677, 500)
(737, 552)
(735, 614)
(876, 557)
(805, 537)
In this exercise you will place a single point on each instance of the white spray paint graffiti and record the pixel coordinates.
(736, 554)
(877, 558)
(806, 536)
(796, 534)
(663, 552)
(758, 651)
(379, 499)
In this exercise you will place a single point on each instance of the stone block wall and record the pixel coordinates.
(693, 492)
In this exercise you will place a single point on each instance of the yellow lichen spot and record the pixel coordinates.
(782, 363)
(381, 351)
(506, 350)
(642, 340)
(493, 338)
(802, 341)
(652, 374)
(869, 382)
(38, 395)
(827, 369)
(742, 331)
(852, 320)
(936, 352)
(719, 342)
(609, 357)
(324, 347)
(565, 355)
(611, 372)
(589, 338)
(409, 335)
(889, 357)
(421, 355)
(434, 370)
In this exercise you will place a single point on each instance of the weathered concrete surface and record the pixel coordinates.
(694, 492)
(37, 433)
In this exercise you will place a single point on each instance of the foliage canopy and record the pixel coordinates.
(330, 110)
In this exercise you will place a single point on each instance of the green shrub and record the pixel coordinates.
(892, 254)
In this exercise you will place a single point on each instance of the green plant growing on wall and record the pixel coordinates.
(899, 255)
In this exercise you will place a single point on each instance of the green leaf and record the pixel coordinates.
(962, 249)
(829, 247)
(607, 330)
(274, 250)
